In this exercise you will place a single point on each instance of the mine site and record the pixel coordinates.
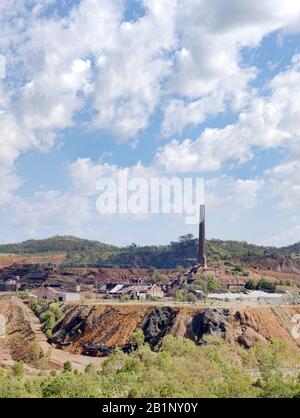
(149, 204)
(58, 312)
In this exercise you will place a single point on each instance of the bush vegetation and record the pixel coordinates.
(49, 313)
(179, 368)
(263, 285)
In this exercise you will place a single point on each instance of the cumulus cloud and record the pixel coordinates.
(183, 57)
(284, 183)
(91, 59)
(43, 214)
(246, 192)
(85, 174)
(225, 192)
(209, 68)
(271, 121)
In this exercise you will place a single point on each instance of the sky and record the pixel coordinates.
(152, 88)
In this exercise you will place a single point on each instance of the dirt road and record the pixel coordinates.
(58, 357)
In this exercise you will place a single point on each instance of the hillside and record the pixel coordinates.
(247, 353)
(291, 249)
(57, 244)
(83, 253)
(184, 254)
(98, 330)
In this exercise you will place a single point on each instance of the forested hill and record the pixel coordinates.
(56, 244)
(184, 253)
(81, 252)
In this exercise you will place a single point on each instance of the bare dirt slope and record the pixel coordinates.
(56, 357)
(19, 337)
(109, 326)
(23, 329)
(9, 260)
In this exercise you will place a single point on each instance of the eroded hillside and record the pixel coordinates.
(8, 260)
(19, 342)
(96, 330)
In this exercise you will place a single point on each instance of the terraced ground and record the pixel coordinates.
(105, 327)
(24, 333)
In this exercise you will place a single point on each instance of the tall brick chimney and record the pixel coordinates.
(202, 250)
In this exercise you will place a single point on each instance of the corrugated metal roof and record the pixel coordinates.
(117, 288)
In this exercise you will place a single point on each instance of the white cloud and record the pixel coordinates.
(269, 122)
(284, 183)
(85, 174)
(131, 73)
(230, 96)
(9, 183)
(182, 54)
(49, 209)
(92, 56)
(246, 192)
(209, 68)
(225, 192)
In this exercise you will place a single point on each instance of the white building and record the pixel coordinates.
(137, 291)
(50, 293)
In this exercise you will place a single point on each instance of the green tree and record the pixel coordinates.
(50, 321)
(192, 298)
(251, 285)
(187, 237)
(288, 283)
(68, 366)
(181, 295)
(34, 352)
(137, 339)
(90, 369)
(18, 369)
(266, 286)
(212, 285)
(49, 334)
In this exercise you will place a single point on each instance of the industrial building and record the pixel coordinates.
(49, 293)
(137, 291)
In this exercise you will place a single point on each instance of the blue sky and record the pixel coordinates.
(161, 88)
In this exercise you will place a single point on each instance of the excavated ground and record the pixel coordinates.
(19, 337)
(9, 260)
(96, 330)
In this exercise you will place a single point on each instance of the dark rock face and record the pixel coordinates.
(71, 327)
(211, 322)
(96, 331)
(158, 323)
(96, 350)
(223, 323)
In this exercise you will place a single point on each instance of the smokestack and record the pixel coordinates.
(202, 251)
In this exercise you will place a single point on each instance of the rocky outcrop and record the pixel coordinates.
(85, 328)
(158, 323)
(249, 338)
(211, 322)
(72, 327)
(246, 328)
